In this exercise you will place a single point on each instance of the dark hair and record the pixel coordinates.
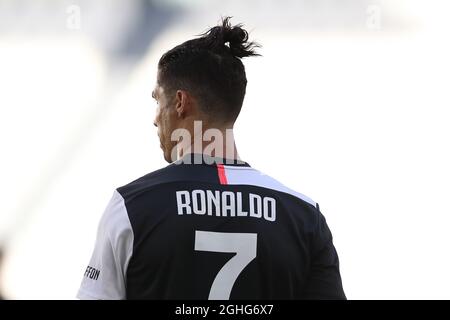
(210, 67)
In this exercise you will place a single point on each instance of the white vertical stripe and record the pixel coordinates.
(112, 253)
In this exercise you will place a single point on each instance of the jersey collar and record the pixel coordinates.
(199, 158)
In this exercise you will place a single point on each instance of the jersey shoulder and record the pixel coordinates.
(255, 177)
(172, 174)
(148, 181)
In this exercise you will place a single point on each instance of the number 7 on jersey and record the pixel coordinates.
(243, 244)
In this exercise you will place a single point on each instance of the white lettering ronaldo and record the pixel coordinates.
(225, 204)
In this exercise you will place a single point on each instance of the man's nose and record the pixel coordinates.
(154, 123)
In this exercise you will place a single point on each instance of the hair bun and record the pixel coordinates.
(230, 39)
(235, 36)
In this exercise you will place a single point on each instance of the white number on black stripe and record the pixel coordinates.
(243, 244)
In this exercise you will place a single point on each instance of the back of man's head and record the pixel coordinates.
(210, 68)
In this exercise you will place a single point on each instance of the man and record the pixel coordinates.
(209, 226)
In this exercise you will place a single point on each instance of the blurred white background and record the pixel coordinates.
(348, 104)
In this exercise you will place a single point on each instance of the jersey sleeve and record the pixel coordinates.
(324, 280)
(105, 276)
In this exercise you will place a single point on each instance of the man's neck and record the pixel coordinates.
(218, 143)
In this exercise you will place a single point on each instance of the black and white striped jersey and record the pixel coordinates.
(205, 228)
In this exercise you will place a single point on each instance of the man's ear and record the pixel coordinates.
(183, 103)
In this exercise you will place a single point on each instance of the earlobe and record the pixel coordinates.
(179, 109)
(180, 103)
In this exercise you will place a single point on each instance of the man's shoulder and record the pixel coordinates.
(263, 180)
(149, 181)
(293, 201)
